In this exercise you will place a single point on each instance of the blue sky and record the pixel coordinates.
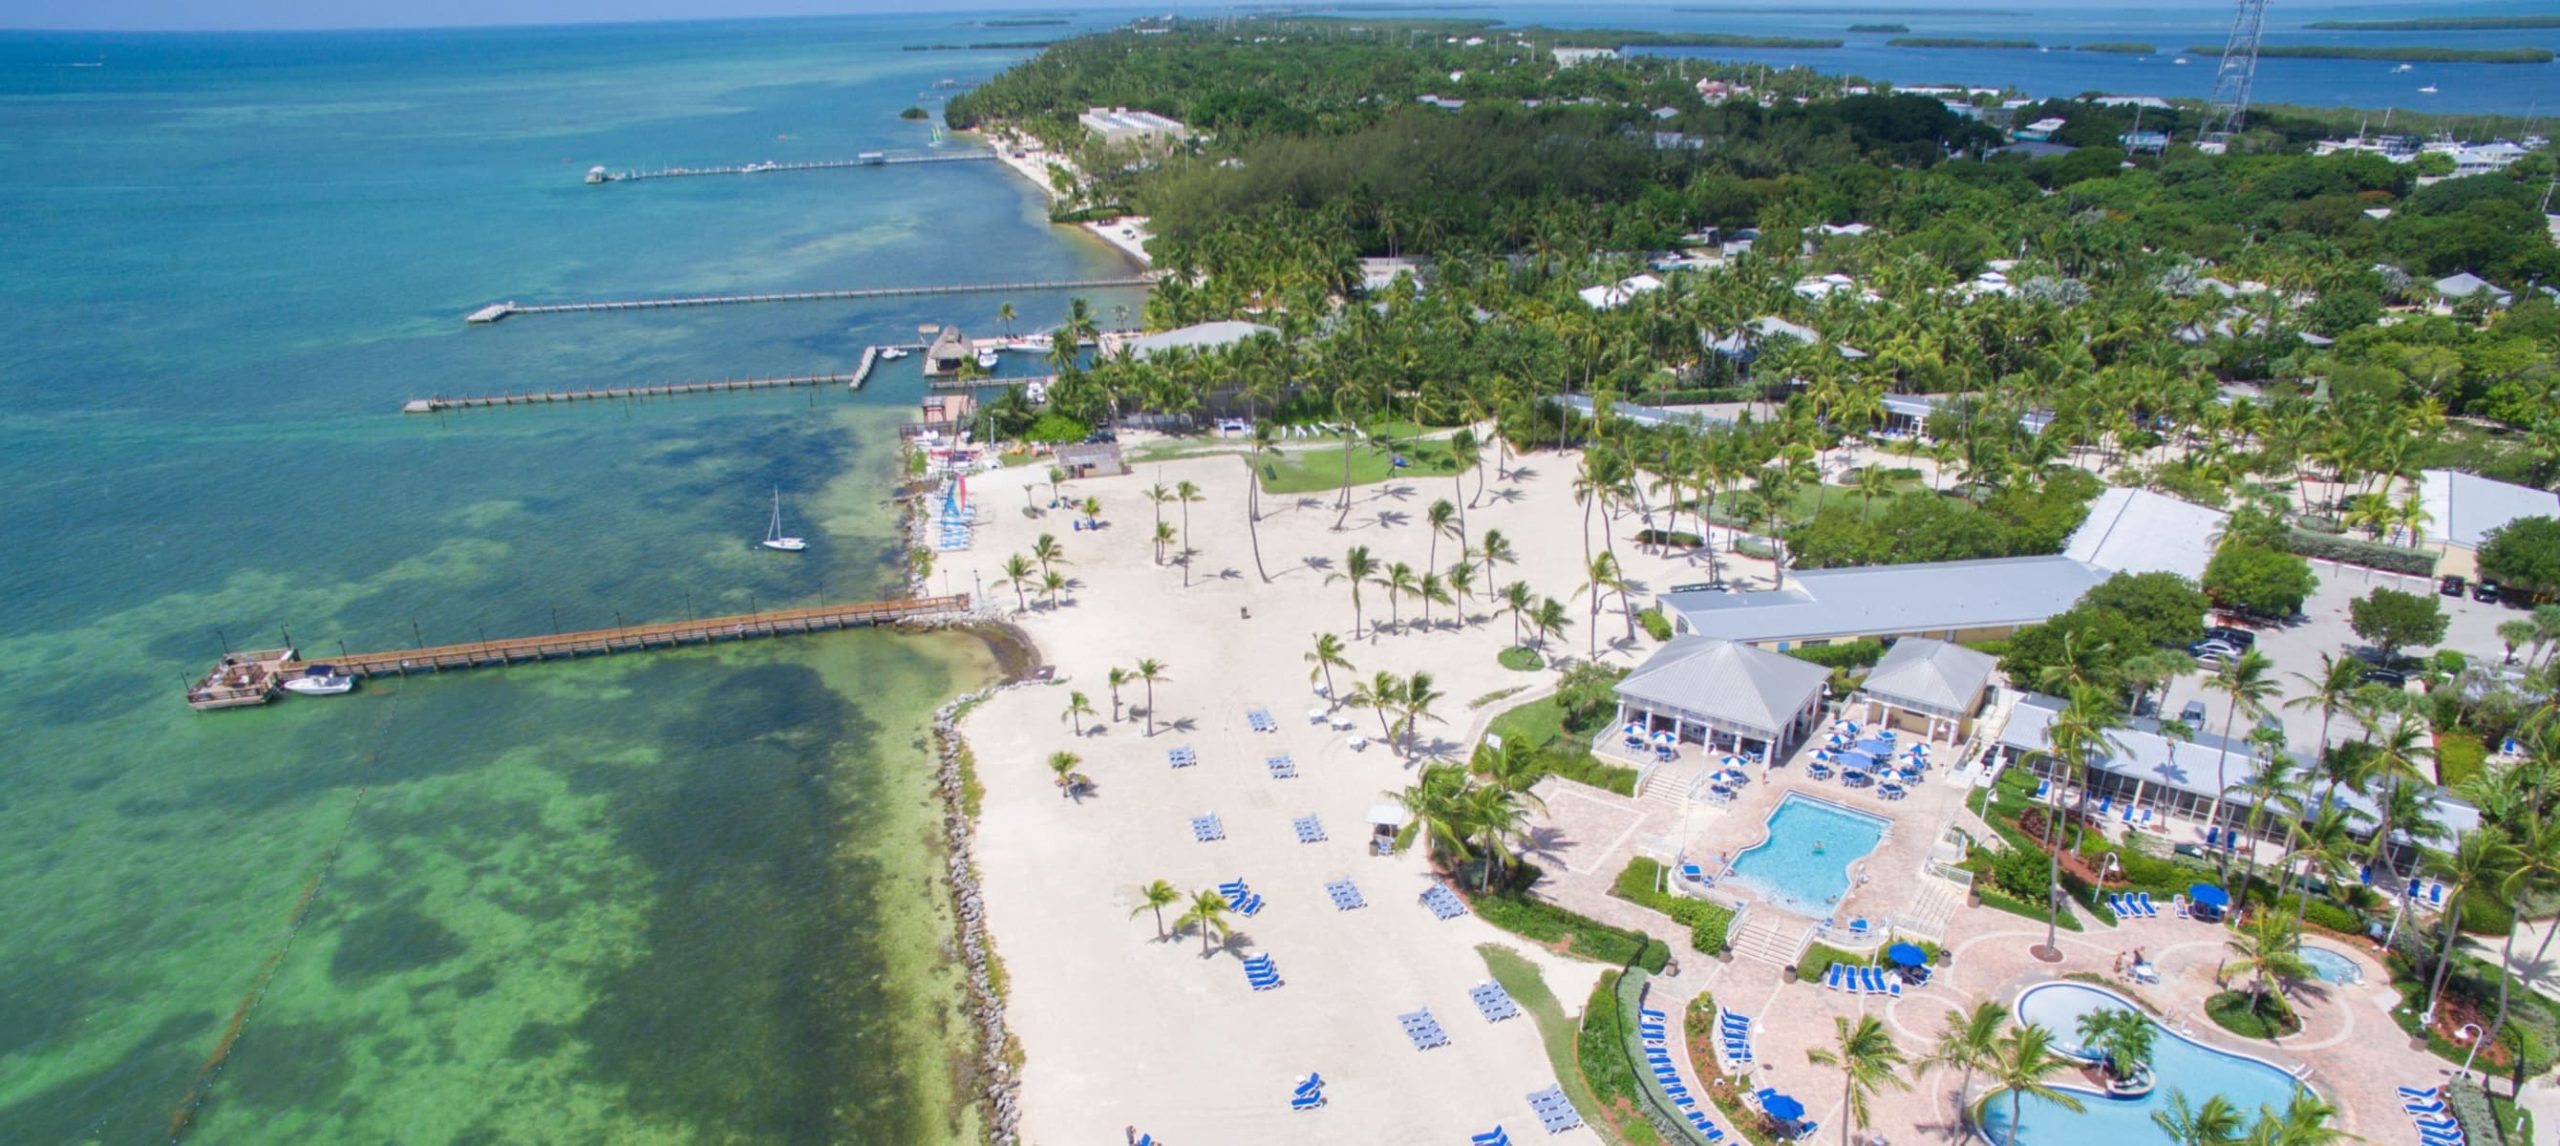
(272, 14)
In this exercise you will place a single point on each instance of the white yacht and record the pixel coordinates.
(2430, 89)
(773, 538)
(892, 353)
(321, 680)
(989, 358)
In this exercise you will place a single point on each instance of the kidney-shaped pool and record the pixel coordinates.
(2177, 1064)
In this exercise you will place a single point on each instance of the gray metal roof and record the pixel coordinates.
(2202, 767)
(1199, 336)
(1892, 600)
(2463, 508)
(1644, 415)
(1929, 675)
(1754, 690)
(2138, 531)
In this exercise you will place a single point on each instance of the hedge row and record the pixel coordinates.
(1708, 923)
(2356, 551)
(1591, 939)
(1850, 654)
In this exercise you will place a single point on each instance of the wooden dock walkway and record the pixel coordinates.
(991, 381)
(876, 159)
(626, 639)
(437, 404)
(496, 311)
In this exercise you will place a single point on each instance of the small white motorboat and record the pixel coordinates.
(321, 680)
(892, 353)
(773, 538)
(2430, 89)
(2179, 60)
(2404, 68)
(988, 359)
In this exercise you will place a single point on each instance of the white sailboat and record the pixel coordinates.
(773, 538)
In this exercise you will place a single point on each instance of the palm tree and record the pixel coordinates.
(1494, 550)
(2323, 844)
(2122, 1037)
(2268, 948)
(1327, 657)
(1078, 707)
(1017, 573)
(1400, 582)
(1461, 580)
(2022, 1063)
(2338, 678)
(1261, 449)
(1442, 519)
(2277, 784)
(2516, 633)
(1383, 692)
(1430, 590)
(1868, 1062)
(2215, 1123)
(1071, 783)
(1053, 583)
(2478, 859)
(2534, 870)
(1359, 568)
(2075, 734)
(1149, 672)
(1091, 508)
(1466, 453)
(2244, 682)
(1551, 620)
(1004, 314)
(1115, 678)
(1186, 493)
(1208, 912)
(1164, 536)
(1872, 481)
(1967, 1040)
(1520, 601)
(1159, 495)
(1495, 821)
(2306, 1120)
(1046, 550)
(1435, 805)
(1156, 897)
(1416, 700)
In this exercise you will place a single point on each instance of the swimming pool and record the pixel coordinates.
(1804, 864)
(2331, 966)
(2177, 1063)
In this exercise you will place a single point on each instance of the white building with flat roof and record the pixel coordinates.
(1123, 125)
(2464, 509)
(2138, 531)
(1950, 600)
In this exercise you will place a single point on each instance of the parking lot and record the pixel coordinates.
(2296, 648)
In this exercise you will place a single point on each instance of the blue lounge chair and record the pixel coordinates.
(1495, 1138)
(2148, 911)
(1314, 1082)
(1308, 1101)
(2213, 837)
(2429, 1093)
(2115, 903)
(1650, 1013)
(1831, 977)
(2424, 1109)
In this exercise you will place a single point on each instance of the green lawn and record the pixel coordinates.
(1535, 724)
(1802, 503)
(1314, 471)
(1556, 1030)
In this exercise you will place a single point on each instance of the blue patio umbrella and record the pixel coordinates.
(1783, 1108)
(2209, 896)
(1906, 955)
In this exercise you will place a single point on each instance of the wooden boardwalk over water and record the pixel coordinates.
(875, 159)
(437, 404)
(496, 311)
(625, 639)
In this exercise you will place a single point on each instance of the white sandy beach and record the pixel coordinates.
(1122, 1030)
(1128, 234)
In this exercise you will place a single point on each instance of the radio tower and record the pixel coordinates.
(2230, 107)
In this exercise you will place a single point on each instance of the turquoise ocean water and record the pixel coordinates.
(674, 898)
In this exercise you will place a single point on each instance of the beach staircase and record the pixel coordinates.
(1986, 732)
(1671, 786)
(1771, 938)
(1931, 910)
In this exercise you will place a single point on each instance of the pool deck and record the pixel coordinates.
(1586, 836)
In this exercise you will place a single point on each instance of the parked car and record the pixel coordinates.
(2452, 584)
(2213, 647)
(2192, 715)
(2485, 592)
(2241, 639)
(2392, 677)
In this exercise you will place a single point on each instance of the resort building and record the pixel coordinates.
(2458, 288)
(1122, 125)
(1928, 687)
(1647, 416)
(2136, 769)
(1568, 57)
(1090, 460)
(1701, 690)
(2138, 531)
(1198, 338)
(2463, 509)
(1619, 293)
(1949, 600)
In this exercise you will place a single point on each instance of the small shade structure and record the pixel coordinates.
(2210, 896)
(1929, 686)
(1906, 955)
(1784, 1108)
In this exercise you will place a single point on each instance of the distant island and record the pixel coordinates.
(1022, 22)
(1957, 42)
(1879, 27)
(991, 46)
(2443, 24)
(1606, 38)
(2126, 49)
(2413, 55)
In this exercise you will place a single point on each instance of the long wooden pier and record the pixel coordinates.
(991, 381)
(438, 403)
(496, 311)
(282, 665)
(871, 159)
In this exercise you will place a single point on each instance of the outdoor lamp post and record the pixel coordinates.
(2469, 1033)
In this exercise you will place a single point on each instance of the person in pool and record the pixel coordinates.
(1817, 847)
